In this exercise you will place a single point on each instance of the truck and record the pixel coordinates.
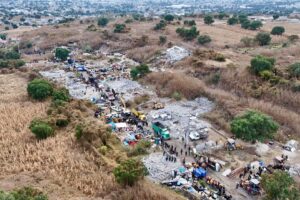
(140, 115)
(161, 130)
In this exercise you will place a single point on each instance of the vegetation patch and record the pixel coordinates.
(39, 89)
(254, 125)
(41, 129)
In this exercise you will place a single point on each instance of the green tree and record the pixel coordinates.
(245, 24)
(263, 38)
(254, 25)
(3, 36)
(188, 34)
(139, 71)
(162, 40)
(262, 63)
(232, 21)
(41, 129)
(208, 19)
(253, 126)
(242, 18)
(103, 21)
(276, 16)
(120, 28)
(294, 70)
(62, 53)
(189, 22)
(279, 186)
(129, 172)
(39, 89)
(169, 18)
(161, 25)
(204, 39)
(278, 30)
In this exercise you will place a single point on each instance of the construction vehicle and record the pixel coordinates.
(161, 130)
(138, 114)
(231, 145)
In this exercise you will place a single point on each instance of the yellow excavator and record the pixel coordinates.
(140, 115)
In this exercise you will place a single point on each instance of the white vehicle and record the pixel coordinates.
(194, 135)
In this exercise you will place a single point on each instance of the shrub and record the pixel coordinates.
(79, 131)
(219, 58)
(253, 126)
(296, 87)
(263, 38)
(242, 18)
(278, 30)
(293, 38)
(61, 94)
(162, 40)
(161, 25)
(245, 24)
(177, 96)
(208, 19)
(188, 34)
(279, 185)
(261, 63)
(141, 148)
(189, 22)
(41, 129)
(248, 42)
(62, 53)
(39, 89)
(26, 193)
(120, 28)
(266, 74)
(103, 21)
(254, 25)
(232, 21)
(62, 122)
(276, 16)
(129, 172)
(3, 36)
(139, 71)
(204, 39)
(169, 18)
(294, 70)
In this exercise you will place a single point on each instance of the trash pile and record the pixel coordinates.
(171, 56)
(182, 120)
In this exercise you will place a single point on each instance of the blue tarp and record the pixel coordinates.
(199, 172)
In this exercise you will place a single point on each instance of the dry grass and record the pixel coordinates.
(59, 164)
(168, 83)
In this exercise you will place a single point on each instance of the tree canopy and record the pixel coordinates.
(129, 172)
(208, 19)
(279, 186)
(263, 38)
(103, 21)
(62, 53)
(278, 30)
(254, 125)
(188, 34)
(39, 89)
(262, 63)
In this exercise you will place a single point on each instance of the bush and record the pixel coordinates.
(79, 131)
(62, 53)
(62, 122)
(266, 74)
(3, 36)
(26, 193)
(219, 58)
(254, 25)
(103, 21)
(208, 19)
(204, 39)
(242, 18)
(177, 96)
(189, 22)
(276, 16)
(294, 70)
(41, 129)
(169, 18)
(162, 40)
(261, 63)
(61, 94)
(263, 38)
(279, 185)
(188, 34)
(248, 42)
(278, 30)
(139, 71)
(141, 148)
(232, 21)
(161, 25)
(129, 172)
(253, 126)
(120, 28)
(245, 24)
(39, 89)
